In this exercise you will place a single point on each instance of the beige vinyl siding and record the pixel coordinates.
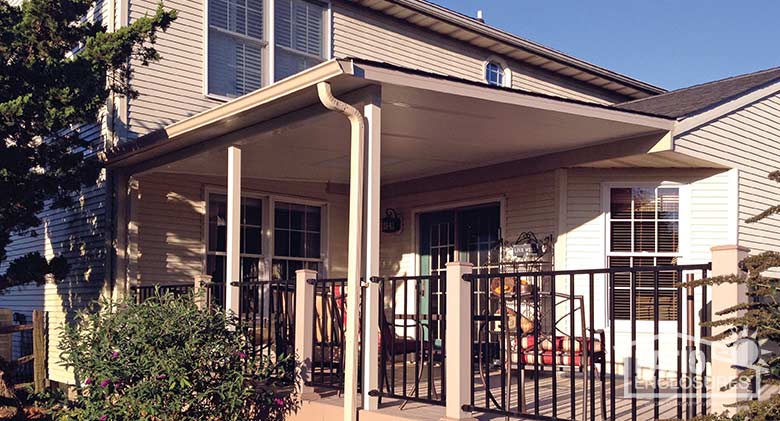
(361, 32)
(171, 89)
(707, 215)
(171, 218)
(748, 140)
(529, 205)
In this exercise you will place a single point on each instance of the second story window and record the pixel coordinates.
(494, 74)
(236, 47)
(241, 45)
(299, 32)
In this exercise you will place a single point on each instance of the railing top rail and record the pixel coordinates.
(661, 268)
(258, 282)
(376, 279)
(168, 285)
(326, 280)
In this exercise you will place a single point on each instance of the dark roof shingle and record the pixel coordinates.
(692, 100)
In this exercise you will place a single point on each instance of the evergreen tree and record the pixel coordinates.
(57, 69)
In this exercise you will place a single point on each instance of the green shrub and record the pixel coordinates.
(168, 359)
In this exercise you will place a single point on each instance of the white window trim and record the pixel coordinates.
(645, 326)
(267, 78)
(507, 79)
(268, 202)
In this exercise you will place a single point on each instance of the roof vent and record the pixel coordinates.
(479, 16)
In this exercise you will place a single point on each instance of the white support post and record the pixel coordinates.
(304, 329)
(372, 112)
(458, 342)
(233, 229)
(725, 261)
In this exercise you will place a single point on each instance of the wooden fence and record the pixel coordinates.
(38, 356)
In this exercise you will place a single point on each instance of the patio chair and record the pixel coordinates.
(522, 358)
(392, 345)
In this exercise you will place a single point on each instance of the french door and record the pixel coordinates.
(470, 233)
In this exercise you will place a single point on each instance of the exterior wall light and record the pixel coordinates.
(391, 223)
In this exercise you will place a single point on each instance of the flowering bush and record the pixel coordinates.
(169, 359)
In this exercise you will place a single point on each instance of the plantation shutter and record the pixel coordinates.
(235, 46)
(299, 33)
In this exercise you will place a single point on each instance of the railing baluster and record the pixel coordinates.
(553, 305)
(612, 391)
(591, 348)
(537, 345)
(705, 349)
(656, 317)
(633, 344)
(572, 389)
(681, 356)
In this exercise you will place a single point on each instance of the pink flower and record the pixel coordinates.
(241, 354)
(115, 355)
(103, 418)
(88, 381)
(161, 377)
(104, 384)
(278, 402)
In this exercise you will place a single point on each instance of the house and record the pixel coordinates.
(274, 135)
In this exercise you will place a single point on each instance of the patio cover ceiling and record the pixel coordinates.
(431, 124)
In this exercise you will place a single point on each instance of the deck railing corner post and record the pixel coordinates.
(304, 330)
(725, 261)
(458, 373)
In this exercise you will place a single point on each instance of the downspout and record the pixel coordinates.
(355, 246)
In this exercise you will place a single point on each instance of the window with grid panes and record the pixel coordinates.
(297, 239)
(251, 238)
(240, 46)
(644, 227)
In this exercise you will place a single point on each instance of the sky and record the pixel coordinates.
(668, 43)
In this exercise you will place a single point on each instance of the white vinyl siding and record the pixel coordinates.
(299, 31)
(747, 140)
(236, 46)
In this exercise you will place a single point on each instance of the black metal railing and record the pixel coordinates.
(141, 293)
(266, 310)
(412, 330)
(330, 318)
(526, 324)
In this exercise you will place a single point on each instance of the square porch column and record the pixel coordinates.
(457, 339)
(725, 261)
(304, 329)
(372, 113)
(233, 229)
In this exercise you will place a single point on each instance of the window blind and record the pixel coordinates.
(298, 29)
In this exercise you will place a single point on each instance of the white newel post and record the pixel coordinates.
(304, 328)
(725, 261)
(372, 113)
(457, 339)
(233, 229)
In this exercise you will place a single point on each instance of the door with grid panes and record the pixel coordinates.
(470, 233)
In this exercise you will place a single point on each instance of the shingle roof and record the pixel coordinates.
(697, 98)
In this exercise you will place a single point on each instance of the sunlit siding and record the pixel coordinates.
(171, 89)
(361, 32)
(748, 140)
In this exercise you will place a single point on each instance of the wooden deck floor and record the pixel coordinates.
(543, 402)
